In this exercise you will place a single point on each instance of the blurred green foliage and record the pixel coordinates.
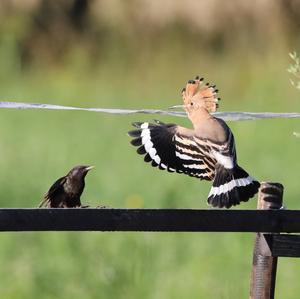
(133, 66)
(294, 70)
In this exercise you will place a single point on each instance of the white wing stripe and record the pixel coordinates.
(186, 157)
(185, 141)
(144, 126)
(226, 161)
(145, 132)
(148, 146)
(229, 186)
(145, 139)
(157, 159)
(194, 166)
(189, 151)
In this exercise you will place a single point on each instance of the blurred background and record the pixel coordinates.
(139, 54)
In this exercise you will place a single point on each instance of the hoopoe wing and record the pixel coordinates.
(172, 148)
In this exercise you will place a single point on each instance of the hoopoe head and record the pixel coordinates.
(198, 95)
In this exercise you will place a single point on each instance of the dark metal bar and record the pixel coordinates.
(286, 245)
(264, 267)
(176, 220)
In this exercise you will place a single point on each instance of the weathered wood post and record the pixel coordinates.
(264, 264)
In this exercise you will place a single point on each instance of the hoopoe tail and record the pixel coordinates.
(231, 186)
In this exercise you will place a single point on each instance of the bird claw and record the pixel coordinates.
(103, 207)
(84, 207)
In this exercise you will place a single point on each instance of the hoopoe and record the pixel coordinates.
(206, 152)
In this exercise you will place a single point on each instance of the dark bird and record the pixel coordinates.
(206, 152)
(66, 191)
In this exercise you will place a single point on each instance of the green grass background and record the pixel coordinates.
(37, 147)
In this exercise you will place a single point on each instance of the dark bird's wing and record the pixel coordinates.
(54, 193)
(172, 148)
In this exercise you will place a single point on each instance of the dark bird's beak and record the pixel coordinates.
(89, 168)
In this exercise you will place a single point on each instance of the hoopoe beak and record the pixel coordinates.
(177, 106)
(89, 168)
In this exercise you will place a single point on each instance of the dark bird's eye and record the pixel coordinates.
(192, 104)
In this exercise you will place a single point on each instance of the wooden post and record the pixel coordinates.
(264, 264)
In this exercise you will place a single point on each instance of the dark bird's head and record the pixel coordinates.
(79, 172)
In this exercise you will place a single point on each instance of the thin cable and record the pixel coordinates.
(227, 116)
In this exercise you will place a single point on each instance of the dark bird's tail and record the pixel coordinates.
(44, 202)
(231, 186)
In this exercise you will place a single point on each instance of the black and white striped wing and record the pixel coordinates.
(172, 148)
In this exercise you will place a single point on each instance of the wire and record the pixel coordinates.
(227, 116)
